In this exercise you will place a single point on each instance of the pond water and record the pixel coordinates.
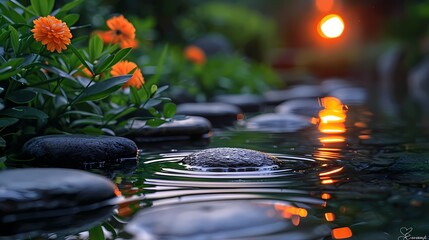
(370, 182)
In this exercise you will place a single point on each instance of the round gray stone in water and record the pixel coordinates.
(50, 199)
(70, 150)
(207, 220)
(230, 159)
(306, 107)
(275, 97)
(351, 95)
(181, 129)
(246, 102)
(219, 114)
(281, 123)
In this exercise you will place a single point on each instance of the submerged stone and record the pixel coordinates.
(207, 220)
(274, 122)
(246, 102)
(276, 97)
(230, 159)
(305, 107)
(181, 129)
(36, 200)
(219, 114)
(69, 150)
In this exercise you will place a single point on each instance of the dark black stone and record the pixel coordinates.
(230, 159)
(305, 107)
(208, 220)
(276, 97)
(191, 127)
(70, 150)
(41, 200)
(246, 102)
(219, 114)
(273, 122)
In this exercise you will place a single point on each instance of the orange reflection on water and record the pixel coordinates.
(332, 116)
(327, 181)
(326, 196)
(296, 220)
(329, 217)
(291, 212)
(332, 128)
(331, 172)
(332, 139)
(341, 233)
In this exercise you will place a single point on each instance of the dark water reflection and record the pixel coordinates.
(370, 183)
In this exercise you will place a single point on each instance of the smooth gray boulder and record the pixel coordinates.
(71, 150)
(275, 122)
(207, 220)
(219, 114)
(246, 102)
(182, 129)
(275, 97)
(230, 159)
(308, 107)
(351, 95)
(34, 201)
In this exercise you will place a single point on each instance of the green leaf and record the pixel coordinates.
(102, 89)
(21, 96)
(95, 47)
(14, 38)
(81, 59)
(7, 121)
(110, 228)
(71, 5)
(83, 113)
(155, 122)
(104, 63)
(96, 233)
(89, 130)
(155, 78)
(42, 7)
(135, 97)
(25, 9)
(121, 54)
(59, 72)
(154, 112)
(24, 112)
(169, 110)
(71, 19)
(151, 103)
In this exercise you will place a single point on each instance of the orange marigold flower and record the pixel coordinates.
(195, 54)
(52, 32)
(121, 31)
(125, 67)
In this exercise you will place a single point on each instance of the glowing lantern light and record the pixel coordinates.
(331, 116)
(341, 233)
(331, 26)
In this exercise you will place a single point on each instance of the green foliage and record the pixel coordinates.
(96, 233)
(221, 74)
(248, 31)
(73, 91)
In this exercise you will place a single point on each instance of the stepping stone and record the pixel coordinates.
(281, 123)
(305, 107)
(191, 127)
(351, 95)
(74, 150)
(41, 200)
(246, 102)
(230, 159)
(276, 97)
(208, 220)
(333, 84)
(219, 114)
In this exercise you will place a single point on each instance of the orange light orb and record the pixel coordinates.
(331, 26)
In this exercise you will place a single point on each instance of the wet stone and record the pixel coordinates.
(207, 220)
(72, 150)
(305, 107)
(219, 114)
(191, 127)
(246, 102)
(36, 200)
(332, 84)
(276, 97)
(230, 159)
(274, 122)
(351, 95)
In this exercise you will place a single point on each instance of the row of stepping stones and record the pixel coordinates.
(38, 201)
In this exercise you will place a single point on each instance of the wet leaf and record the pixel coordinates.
(96, 233)
(155, 122)
(22, 96)
(24, 112)
(169, 110)
(103, 89)
(7, 121)
(95, 47)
